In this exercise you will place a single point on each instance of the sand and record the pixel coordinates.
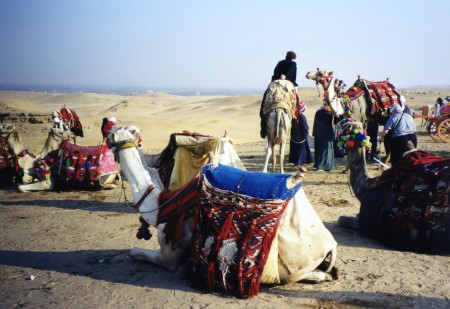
(71, 249)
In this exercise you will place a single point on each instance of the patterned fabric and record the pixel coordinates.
(233, 239)
(382, 94)
(418, 202)
(71, 120)
(175, 206)
(233, 231)
(74, 162)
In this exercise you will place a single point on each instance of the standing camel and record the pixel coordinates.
(278, 108)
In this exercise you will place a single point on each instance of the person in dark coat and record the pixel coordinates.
(323, 132)
(285, 69)
(300, 152)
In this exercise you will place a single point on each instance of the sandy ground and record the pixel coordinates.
(71, 249)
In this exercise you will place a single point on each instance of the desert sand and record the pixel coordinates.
(71, 249)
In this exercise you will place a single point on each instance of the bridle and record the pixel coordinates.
(323, 80)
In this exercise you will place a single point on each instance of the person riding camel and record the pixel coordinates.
(287, 70)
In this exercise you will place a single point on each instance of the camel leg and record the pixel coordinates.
(268, 154)
(167, 256)
(274, 158)
(157, 257)
(37, 186)
(282, 149)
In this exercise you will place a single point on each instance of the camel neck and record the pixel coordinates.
(359, 174)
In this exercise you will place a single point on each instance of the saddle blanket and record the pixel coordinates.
(79, 162)
(236, 217)
(233, 238)
(383, 94)
(420, 195)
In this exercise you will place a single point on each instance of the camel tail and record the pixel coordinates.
(278, 126)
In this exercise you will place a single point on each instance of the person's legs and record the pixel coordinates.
(263, 131)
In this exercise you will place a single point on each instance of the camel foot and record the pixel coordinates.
(350, 223)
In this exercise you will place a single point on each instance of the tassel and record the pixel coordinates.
(211, 275)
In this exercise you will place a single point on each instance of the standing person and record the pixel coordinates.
(437, 107)
(106, 126)
(285, 69)
(402, 128)
(300, 152)
(323, 132)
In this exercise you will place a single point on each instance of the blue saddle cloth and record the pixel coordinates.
(254, 184)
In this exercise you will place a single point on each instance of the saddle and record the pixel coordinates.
(236, 216)
(280, 94)
(416, 212)
(381, 95)
(82, 162)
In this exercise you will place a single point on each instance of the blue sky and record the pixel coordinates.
(231, 44)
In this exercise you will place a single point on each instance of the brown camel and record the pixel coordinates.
(407, 206)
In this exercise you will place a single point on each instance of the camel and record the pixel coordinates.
(278, 107)
(15, 158)
(357, 110)
(419, 182)
(108, 178)
(301, 244)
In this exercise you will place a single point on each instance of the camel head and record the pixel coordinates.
(119, 137)
(55, 137)
(136, 132)
(317, 74)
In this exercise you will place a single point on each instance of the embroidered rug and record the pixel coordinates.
(70, 118)
(383, 94)
(235, 231)
(418, 203)
(80, 163)
(236, 216)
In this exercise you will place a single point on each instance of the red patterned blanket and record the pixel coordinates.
(74, 162)
(419, 200)
(383, 94)
(232, 236)
(233, 239)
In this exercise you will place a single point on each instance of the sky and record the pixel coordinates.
(211, 44)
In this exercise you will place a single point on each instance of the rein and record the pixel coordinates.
(144, 196)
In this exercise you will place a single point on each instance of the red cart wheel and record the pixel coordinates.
(443, 129)
(432, 130)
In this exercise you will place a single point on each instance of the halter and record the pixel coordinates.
(322, 80)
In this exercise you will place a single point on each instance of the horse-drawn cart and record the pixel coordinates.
(438, 127)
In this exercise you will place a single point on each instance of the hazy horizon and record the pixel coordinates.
(176, 91)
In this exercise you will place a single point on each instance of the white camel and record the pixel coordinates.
(301, 245)
(278, 109)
